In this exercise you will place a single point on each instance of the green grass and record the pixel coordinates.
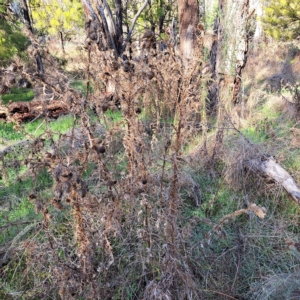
(14, 194)
(114, 115)
(256, 135)
(36, 128)
(22, 94)
(292, 160)
(80, 86)
(61, 125)
(8, 132)
(19, 188)
(24, 211)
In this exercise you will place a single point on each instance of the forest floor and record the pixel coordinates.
(249, 258)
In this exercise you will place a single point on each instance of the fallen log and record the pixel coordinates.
(27, 111)
(268, 168)
(4, 114)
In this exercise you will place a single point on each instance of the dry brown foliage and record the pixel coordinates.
(117, 185)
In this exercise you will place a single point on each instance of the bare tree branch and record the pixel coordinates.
(133, 24)
(108, 33)
(94, 15)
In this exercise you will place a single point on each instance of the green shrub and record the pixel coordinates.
(12, 42)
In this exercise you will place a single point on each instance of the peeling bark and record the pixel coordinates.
(229, 52)
(188, 12)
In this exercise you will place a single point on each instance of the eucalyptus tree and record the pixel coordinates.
(188, 11)
(282, 19)
(57, 18)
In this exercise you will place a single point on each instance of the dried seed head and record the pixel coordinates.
(66, 186)
(57, 204)
(104, 108)
(100, 149)
(111, 182)
(68, 201)
(258, 210)
(57, 172)
(150, 74)
(82, 193)
(138, 110)
(32, 196)
(58, 193)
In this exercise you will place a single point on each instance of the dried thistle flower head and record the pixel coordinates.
(32, 196)
(100, 149)
(38, 207)
(138, 110)
(58, 193)
(150, 74)
(82, 192)
(57, 172)
(57, 204)
(66, 187)
(68, 201)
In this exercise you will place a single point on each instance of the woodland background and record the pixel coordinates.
(149, 149)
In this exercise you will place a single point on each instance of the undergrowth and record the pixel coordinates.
(113, 202)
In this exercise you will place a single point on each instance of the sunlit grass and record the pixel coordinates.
(114, 116)
(80, 86)
(61, 125)
(15, 206)
(8, 132)
(22, 94)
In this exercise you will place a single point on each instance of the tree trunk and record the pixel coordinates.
(229, 52)
(107, 32)
(119, 25)
(62, 42)
(188, 12)
(29, 27)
